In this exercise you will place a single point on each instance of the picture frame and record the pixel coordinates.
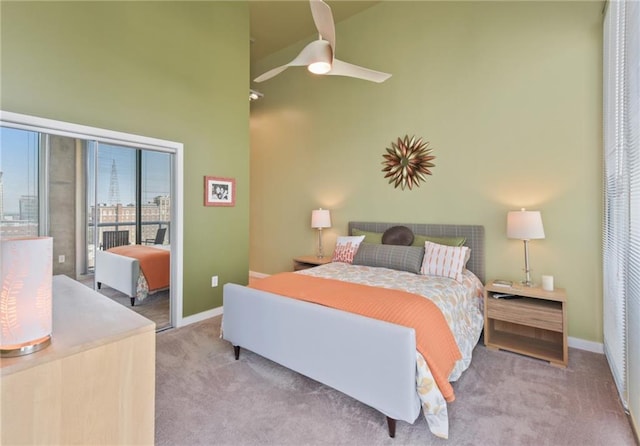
(219, 191)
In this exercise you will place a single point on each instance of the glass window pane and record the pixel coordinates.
(116, 190)
(156, 199)
(19, 173)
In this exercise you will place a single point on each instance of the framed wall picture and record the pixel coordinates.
(219, 191)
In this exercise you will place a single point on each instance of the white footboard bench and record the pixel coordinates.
(118, 272)
(372, 361)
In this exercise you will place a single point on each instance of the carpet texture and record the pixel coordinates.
(154, 307)
(204, 396)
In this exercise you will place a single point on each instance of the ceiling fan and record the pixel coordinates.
(319, 55)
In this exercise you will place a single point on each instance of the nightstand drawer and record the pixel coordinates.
(525, 311)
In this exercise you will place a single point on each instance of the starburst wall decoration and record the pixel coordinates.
(407, 162)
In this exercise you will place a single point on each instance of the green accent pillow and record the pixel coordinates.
(419, 240)
(369, 237)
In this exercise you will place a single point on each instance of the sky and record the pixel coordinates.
(155, 174)
(18, 164)
(19, 159)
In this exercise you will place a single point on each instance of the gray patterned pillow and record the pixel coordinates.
(402, 258)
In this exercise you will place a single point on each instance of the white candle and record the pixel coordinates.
(547, 283)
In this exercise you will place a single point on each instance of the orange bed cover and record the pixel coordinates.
(154, 263)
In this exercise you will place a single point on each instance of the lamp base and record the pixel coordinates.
(25, 349)
(320, 253)
(527, 271)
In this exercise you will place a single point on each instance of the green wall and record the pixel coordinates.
(507, 93)
(169, 70)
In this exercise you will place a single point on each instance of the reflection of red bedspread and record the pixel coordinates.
(154, 263)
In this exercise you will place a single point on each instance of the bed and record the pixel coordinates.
(134, 270)
(332, 346)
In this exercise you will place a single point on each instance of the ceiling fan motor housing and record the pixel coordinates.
(321, 57)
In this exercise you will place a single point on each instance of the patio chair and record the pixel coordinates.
(111, 239)
(159, 240)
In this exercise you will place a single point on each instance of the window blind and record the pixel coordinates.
(621, 229)
(632, 143)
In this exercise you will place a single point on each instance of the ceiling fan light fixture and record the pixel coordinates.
(319, 67)
(254, 95)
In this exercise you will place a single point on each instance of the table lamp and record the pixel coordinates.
(320, 219)
(25, 296)
(525, 225)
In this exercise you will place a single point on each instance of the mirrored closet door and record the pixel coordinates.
(79, 191)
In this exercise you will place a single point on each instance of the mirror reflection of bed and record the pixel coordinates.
(101, 188)
(137, 276)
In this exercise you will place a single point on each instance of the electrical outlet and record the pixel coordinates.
(61, 258)
(214, 281)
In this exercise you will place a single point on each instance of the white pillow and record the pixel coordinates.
(444, 261)
(346, 248)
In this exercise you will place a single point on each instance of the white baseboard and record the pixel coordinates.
(257, 275)
(582, 344)
(198, 317)
(214, 311)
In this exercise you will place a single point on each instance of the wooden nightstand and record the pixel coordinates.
(533, 324)
(304, 262)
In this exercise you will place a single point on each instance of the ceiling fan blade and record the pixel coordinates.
(323, 18)
(271, 73)
(318, 50)
(341, 68)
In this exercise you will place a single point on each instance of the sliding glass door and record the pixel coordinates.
(21, 154)
(124, 189)
(155, 203)
(111, 176)
(129, 190)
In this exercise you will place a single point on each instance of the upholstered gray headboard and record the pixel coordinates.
(473, 233)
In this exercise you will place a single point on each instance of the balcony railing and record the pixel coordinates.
(149, 229)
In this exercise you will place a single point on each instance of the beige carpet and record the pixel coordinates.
(205, 397)
(154, 307)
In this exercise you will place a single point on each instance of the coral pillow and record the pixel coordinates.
(346, 248)
(445, 261)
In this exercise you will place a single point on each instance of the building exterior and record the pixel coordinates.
(29, 208)
(155, 215)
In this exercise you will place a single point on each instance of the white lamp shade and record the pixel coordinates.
(25, 297)
(320, 218)
(524, 225)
